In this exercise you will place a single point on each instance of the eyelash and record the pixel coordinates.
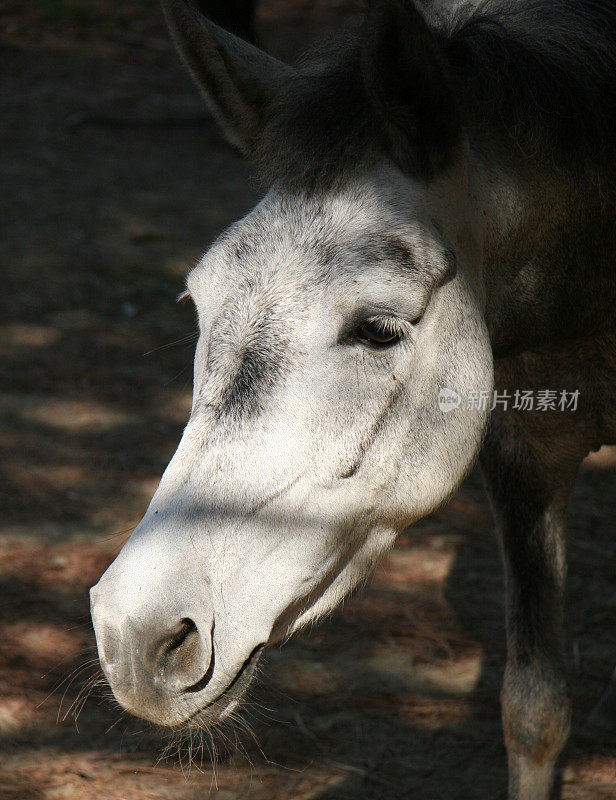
(380, 332)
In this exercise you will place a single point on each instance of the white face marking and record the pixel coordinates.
(307, 450)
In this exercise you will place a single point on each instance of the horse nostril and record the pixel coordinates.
(186, 627)
(179, 652)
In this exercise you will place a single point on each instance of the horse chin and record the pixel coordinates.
(214, 713)
(198, 711)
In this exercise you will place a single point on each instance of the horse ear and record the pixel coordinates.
(238, 80)
(408, 84)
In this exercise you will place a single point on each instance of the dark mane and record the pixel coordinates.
(536, 80)
(322, 127)
(542, 73)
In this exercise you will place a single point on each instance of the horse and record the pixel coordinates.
(428, 281)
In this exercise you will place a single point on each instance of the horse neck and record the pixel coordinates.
(548, 248)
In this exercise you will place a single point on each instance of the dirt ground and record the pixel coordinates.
(113, 182)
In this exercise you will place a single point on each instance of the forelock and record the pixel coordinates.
(322, 131)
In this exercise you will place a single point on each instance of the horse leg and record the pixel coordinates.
(529, 499)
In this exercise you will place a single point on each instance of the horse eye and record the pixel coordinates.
(379, 332)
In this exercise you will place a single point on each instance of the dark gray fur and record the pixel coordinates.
(261, 364)
(534, 80)
(540, 74)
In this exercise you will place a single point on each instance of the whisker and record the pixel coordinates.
(185, 339)
(82, 692)
(71, 679)
(175, 377)
(113, 724)
(118, 533)
(58, 686)
(95, 681)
